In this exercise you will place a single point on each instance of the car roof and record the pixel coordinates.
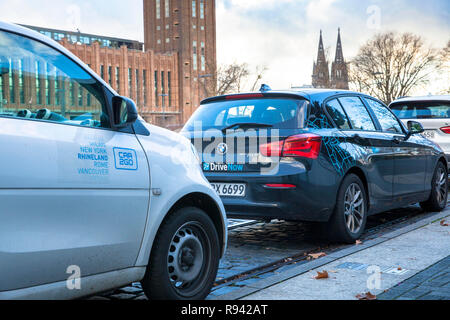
(423, 99)
(307, 93)
(14, 28)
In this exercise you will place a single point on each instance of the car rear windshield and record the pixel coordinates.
(272, 113)
(422, 110)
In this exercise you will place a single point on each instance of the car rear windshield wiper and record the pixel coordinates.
(247, 125)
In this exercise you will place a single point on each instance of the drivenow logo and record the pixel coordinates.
(223, 167)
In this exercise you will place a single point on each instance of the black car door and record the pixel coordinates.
(373, 149)
(410, 156)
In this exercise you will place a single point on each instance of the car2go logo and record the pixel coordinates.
(125, 159)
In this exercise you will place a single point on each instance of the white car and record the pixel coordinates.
(91, 197)
(433, 112)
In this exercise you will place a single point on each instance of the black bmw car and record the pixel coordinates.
(315, 155)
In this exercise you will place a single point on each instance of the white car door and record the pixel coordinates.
(73, 191)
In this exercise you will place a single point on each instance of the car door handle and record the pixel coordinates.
(359, 139)
(397, 139)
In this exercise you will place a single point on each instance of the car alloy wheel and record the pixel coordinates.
(354, 208)
(441, 185)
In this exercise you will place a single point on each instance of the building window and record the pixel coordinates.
(57, 88)
(194, 8)
(38, 83)
(110, 75)
(156, 88)
(72, 94)
(144, 86)
(163, 89)
(130, 82)
(203, 56)
(117, 79)
(202, 9)
(47, 84)
(194, 57)
(102, 72)
(167, 40)
(137, 87)
(80, 96)
(158, 9)
(21, 82)
(158, 28)
(167, 8)
(169, 87)
(159, 41)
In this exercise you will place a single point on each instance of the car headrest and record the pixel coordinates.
(25, 113)
(44, 114)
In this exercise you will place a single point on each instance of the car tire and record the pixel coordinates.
(185, 257)
(349, 218)
(439, 190)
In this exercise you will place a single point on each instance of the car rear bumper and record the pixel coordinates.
(312, 199)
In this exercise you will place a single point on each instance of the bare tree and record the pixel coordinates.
(233, 78)
(445, 59)
(260, 70)
(391, 65)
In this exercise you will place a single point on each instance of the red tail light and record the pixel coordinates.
(280, 186)
(302, 145)
(446, 130)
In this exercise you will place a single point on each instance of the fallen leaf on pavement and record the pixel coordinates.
(321, 275)
(444, 223)
(317, 255)
(399, 268)
(366, 296)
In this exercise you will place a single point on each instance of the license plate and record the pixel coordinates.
(229, 189)
(428, 134)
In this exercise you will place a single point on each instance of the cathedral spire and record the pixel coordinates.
(339, 71)
(339, 53)
(321, 53)
(321, 75)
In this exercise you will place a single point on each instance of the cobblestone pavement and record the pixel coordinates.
(430, 284)
(261, 243)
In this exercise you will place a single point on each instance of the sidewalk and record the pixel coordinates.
(410, 263)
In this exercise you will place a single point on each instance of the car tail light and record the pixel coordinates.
(446, 130)
(302, 145)
(273, 149)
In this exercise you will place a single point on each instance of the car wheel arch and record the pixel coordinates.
(361, 175)
(205, 203)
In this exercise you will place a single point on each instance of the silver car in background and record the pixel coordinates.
(433, 112)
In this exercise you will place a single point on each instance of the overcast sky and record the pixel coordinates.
(281, 34)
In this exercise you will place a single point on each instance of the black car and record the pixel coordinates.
(316, 155)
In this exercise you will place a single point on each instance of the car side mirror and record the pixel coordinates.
(124, 112)
(414, 127)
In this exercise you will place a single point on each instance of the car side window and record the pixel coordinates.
(385, 117)
(357, 113)
(338, 115)
(38, 82)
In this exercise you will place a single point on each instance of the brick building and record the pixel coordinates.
(339, 73)
(166, 76)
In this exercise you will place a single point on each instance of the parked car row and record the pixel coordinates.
(93, 198)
